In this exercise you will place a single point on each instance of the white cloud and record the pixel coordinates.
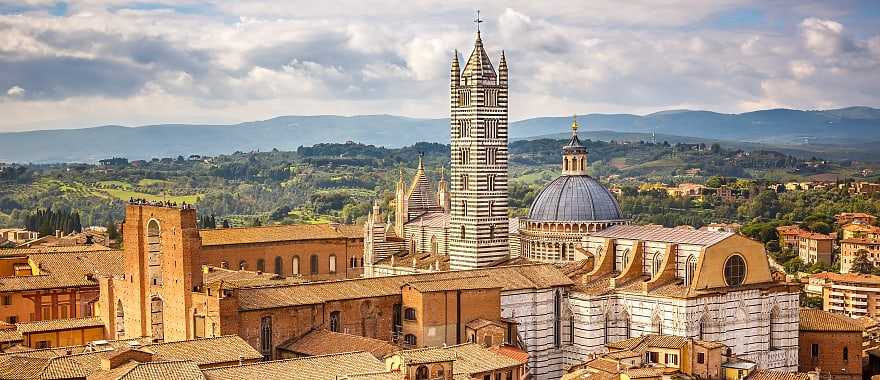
(15, 91)
(233, 62)
(823, 37)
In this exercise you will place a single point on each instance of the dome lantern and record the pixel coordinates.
(574, 154)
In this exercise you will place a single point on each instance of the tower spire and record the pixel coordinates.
(478, 21)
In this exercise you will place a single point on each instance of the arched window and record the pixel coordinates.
(294, 263)
(464, 208)
(734, 270)
(846, 354)
(557, 319)
(777, 328)
(157, 317)
(278, 266)
(410, 340)
(657, 263)
(435, 248)
(335, 321)
(565, 164)
(332, 262)
(409, 314)
(266, 337)
(462, 232)
(624, 260)
(422, 372)
(313, 264)
(120, 320)
(261, 265)
(154, 252)
(690, 269)
(242, 265)
(657, 325)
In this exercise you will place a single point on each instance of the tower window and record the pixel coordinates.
(734, 270)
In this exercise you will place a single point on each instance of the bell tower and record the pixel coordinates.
(478, 123)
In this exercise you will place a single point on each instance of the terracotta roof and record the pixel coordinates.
(855, 278)
(58, 325)
(469, 358)
(860, 241)
(423, 260)
(477, 324)
(536, 276)
(232, 279)
(820, 320)
(10, 335)
(460, 283)
(69, 269)
(643, 372)
(644, 342)
(324, 342)
(55, 249)
(205, 351)
(176, 370)
(23, 368)
(323, 367)
(511, 352)
(867, 322)
(603, 364)
(663, 234)
(815, 236)
(82, 361)
(269, 234)
(622, 354)
(766, 374)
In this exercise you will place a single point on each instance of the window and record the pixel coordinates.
(509, 375)
(462, 232)
(690, 269)
(313, 264)
(487, 340)
(43, 344)
(154, 253)
(12, 319)
(498, 376)
(701, 358)
(657, 263)
(7, 299)
(624, 260)
(62, 311)
(279, 265)
(294, 263)
(422, 372)
(409, 339)
(814, 351)
(261, 265)
(332, 261)
(266, 337)
(242, 265)
(335, 321)
(846, 354)
(652, 357)
(492, 231)
(46, 313)
(557, 319)
(490, 182)
(671, 359)
(464, 208)
(409, 314)
(734, 270)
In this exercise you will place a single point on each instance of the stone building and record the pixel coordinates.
(567, 209)
(466, 226)
(815, 247)
(850, 248)
(713, 286)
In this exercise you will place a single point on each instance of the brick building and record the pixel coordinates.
(830, 344)
(53, 283)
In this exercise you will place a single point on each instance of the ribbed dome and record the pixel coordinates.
(574, 198)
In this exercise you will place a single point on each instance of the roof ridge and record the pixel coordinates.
(289, 360)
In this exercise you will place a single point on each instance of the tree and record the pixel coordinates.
(225, 223)
(861, 264)
(112, 232)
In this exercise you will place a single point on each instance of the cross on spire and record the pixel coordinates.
(478, 21)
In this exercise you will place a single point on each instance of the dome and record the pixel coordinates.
(574, 198)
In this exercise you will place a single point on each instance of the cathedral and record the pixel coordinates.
(627, 280)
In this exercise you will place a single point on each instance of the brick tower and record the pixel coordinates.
(478, 123)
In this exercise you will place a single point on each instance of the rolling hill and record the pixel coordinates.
(844, 133)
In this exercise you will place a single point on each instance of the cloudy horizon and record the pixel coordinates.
(101, 62)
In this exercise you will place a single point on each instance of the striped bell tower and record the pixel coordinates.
(478, 122)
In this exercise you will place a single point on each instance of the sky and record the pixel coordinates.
(101, 62)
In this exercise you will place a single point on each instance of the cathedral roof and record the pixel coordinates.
(574, 198)
(421, 194)
(479, 64)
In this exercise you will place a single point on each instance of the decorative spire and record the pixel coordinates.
(478, 21)
(574, 124)
(421, 161)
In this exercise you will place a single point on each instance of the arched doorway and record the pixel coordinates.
(157, 319)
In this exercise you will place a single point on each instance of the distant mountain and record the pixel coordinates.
(853, 129)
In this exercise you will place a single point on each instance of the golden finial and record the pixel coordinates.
(574, 124)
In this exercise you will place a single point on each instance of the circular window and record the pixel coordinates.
(735, 270)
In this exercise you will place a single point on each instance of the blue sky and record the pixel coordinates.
(96, 62)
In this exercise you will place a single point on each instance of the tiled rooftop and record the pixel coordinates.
(269, 234)
(59, 324)
(820, 320)
(470, 358)
(536, 276)
(324, 367)
(460, 283)
(58, 249)
(324, 342)
(68, 269)
(766, 374)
